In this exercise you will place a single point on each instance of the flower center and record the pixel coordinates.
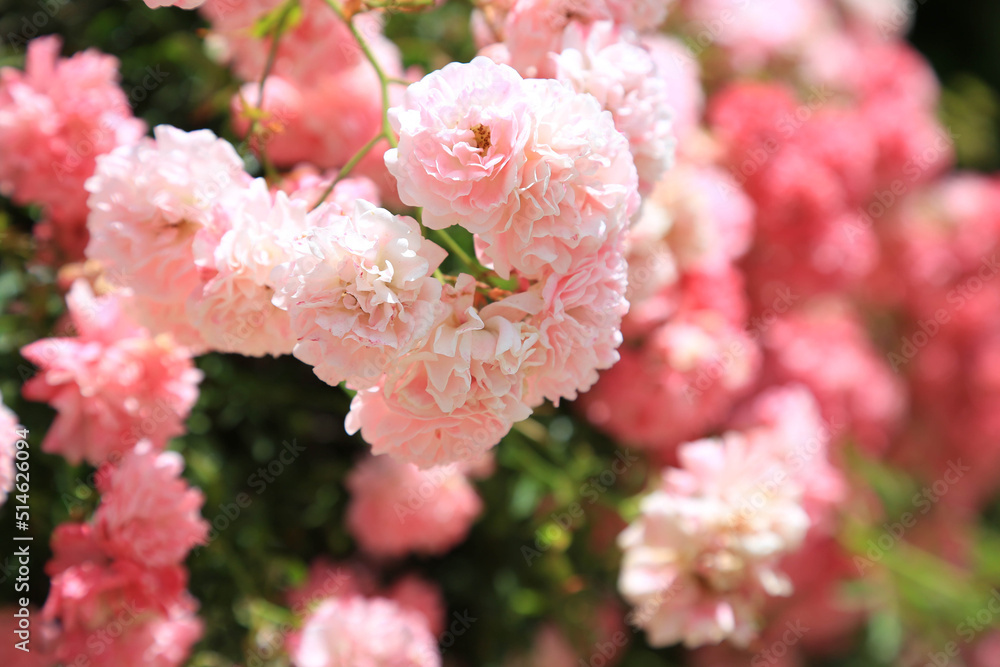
(482, 134)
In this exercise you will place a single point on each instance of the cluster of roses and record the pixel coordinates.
(744, 264)
(798, 208)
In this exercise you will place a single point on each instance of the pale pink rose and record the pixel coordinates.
(706, 547)
(9, 435)
(463, 133)
(148, 513)
(680, 70)
(579, 188)
(56, 117)
(397, 508)
(330, 580)
(120, 614)
(147, 204)
(458, 395)
(183, 4)
(359, 632)
(610, 64)
(579, 325)
(424, 597)
(233, 310)
(112, 385)
(359, 292)
(536, 170)
(532, 29)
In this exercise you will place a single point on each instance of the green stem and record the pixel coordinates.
(346, 169)
(382, 77)
(458, 251)
(272, 56)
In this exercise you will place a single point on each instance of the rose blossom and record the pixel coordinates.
(148, 203)
(233, 310)
(609, 63)
(459, 394)
(151, 605)
(56, 117)
(697, 562)
(359, 632)
(396, 508)
(359, 292)
(463, 133)
(112, 385)
(148, 513)
(537, 171)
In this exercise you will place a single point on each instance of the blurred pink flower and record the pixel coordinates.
(148, 513)
(420, 595)
(700, 558)
(112, 385)
(609, 63)
(56, 117)
(359, 632)
(397, 509)
(706, 550)
(120, 614)
(680, 71)
(827, 349)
